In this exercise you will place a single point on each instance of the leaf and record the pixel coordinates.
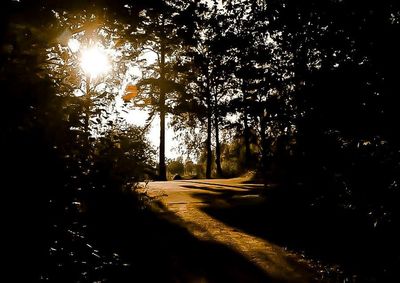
(131, 92)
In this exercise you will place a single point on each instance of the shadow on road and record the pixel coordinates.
(225, 192)
(158, 249)
(243, 186)
(333, 236)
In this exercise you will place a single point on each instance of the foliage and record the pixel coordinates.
(306, 92)
(162, 30)
(124, 155)
(190, 168)
(176, 167)
(54, 181)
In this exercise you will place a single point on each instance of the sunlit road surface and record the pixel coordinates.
(186, 198)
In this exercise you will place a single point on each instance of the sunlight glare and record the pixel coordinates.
(94, 62)
(73, 45)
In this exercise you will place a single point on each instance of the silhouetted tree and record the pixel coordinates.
(160, 30)
(42, 140)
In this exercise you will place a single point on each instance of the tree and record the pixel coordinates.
(42, 142)
(176, 167)
(160, 30)
(34, 134)
(207, 79)
(125, 155)
(190, 168)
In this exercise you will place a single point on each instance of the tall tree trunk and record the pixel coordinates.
(217, 145)
(209, 129)
(162, 168)
(247, 160)
(247, 157)
(264, 146)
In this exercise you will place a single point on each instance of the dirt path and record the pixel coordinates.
(188, 201)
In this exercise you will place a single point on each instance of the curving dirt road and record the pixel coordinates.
(187, 203)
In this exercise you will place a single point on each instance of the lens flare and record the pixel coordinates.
(73, 45)
(94, 62)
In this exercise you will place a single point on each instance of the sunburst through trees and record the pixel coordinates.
(302, 95)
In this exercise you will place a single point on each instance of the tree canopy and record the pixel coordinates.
(306, 94)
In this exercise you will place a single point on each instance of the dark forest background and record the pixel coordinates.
(312, 87)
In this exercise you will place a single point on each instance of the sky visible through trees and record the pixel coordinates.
(302, 96)
(138, 117)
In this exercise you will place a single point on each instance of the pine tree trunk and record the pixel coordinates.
(162, 167)
(217, 145)
(247, 160)
(246, 134)
(264, 150)
(209, 129)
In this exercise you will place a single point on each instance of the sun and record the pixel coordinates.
(94, 61)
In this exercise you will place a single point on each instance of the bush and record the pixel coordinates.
(176, 167)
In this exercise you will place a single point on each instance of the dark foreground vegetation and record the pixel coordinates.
(306, 94)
